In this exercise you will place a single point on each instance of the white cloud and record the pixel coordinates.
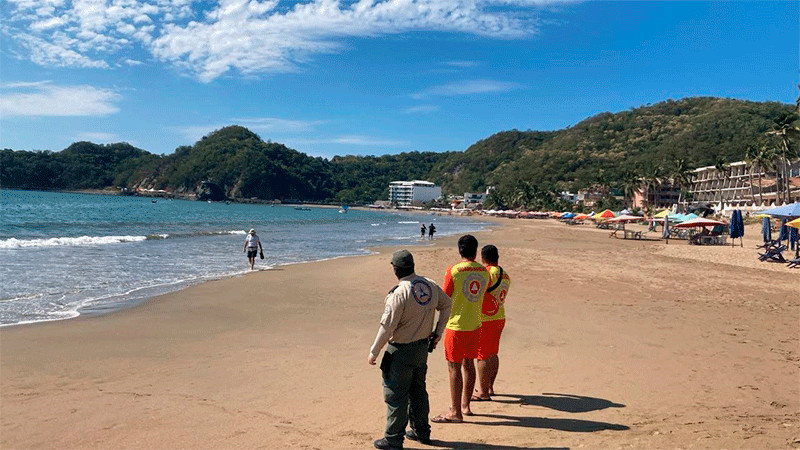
(45, 99)
(208, 40)
(462, 64)
(468, 87)
(97, 137)
(421, 109)
(351, 140)
(272, 124)
(259, 125)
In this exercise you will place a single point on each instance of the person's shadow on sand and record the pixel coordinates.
(472, 445)
(572, 425)
(560, 402)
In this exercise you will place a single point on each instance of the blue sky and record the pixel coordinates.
(371, 77)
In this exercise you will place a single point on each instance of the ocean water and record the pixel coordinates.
(65, 254)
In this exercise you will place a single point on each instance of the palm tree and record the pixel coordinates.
(496, 199)
(763, 160)
(523, 194)
(749, 158)
(682, 174)
(785, 129)
(630, 184)
(653, 178)
(722, 173)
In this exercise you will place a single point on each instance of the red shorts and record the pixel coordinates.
(459, 345)
(490, 338)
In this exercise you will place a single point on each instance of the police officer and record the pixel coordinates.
(406, 325)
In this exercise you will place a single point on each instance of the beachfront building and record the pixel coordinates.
(408, 193)
(475, 197)
(662, 195)
(741, 186)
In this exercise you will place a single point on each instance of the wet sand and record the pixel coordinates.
(609, 343)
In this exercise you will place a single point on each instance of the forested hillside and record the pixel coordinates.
(602, 150)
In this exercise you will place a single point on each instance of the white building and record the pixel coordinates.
(740, 185)
(406, 193)
(474, 197)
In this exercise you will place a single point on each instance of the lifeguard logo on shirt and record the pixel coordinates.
(501, 298)
(421, 291)
(473, 287)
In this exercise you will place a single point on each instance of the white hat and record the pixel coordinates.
(252, 230)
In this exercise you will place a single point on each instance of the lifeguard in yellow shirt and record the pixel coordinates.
(466, 284)
(494, 320)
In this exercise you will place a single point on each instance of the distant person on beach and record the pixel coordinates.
(407, 325)
(431, 230)
(465, 283)
(493, 320)
(422, 231)
(252, 245)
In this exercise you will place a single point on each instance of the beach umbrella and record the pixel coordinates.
(784, 233)
(794, 223)
(737, 226)
(699, 222)
(606, 214)
(567, 215)
(766, 229)
(581, 216)
(625, 218)
(662, 214)
(791, 210)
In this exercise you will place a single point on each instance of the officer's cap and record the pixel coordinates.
(402, 259)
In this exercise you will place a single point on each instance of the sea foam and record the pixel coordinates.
(68, 241)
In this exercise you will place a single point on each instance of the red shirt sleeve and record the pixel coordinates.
(448, 282)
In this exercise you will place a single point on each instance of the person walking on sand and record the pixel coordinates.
(406, 325)
(465, 283)
(422, 231)
(431, 230)
(493, 319)
(252, 245)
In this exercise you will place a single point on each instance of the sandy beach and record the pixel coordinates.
(609, 344)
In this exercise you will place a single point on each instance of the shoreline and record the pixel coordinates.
(89, 311)
(608, 343)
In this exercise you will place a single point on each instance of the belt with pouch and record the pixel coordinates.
(421, 341)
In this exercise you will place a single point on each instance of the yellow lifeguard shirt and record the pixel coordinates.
(466, 284)
(494, 302)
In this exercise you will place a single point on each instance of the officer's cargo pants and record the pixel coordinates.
(404, 367)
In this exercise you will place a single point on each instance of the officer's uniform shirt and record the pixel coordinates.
(409, 312)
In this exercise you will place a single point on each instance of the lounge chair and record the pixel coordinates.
(795, 262)
(774, 254)
(770, 244)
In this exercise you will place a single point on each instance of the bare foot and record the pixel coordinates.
(447, 418)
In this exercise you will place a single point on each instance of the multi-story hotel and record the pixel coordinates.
(740, 186)
(406, 193)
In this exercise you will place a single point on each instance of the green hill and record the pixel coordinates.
(601, 150)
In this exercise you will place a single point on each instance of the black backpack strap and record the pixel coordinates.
(497, 283)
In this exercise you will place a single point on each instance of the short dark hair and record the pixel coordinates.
(468, 246)
(402, 272)
(489, 254)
